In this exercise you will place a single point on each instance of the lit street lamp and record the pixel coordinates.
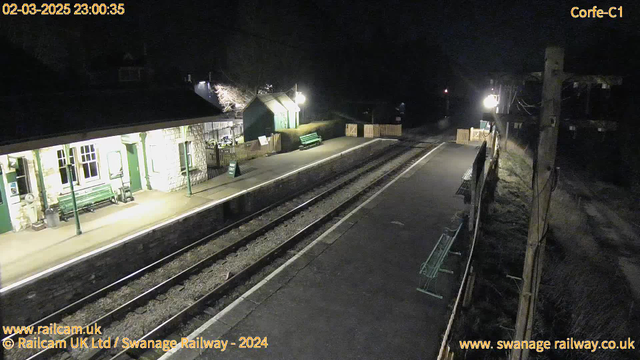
(300, 99)
(446, 95)
(490, 101)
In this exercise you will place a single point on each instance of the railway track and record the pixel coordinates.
(262, 241)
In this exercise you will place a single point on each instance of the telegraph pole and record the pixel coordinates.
(543, 181)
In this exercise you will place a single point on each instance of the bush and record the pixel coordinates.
(326, 129)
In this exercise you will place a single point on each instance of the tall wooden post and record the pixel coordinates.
(542, 187)
(506, 139)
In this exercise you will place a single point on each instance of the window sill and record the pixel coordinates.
(191, 171)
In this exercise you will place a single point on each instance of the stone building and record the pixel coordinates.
(133, 137)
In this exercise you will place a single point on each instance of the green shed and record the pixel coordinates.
(268, 113)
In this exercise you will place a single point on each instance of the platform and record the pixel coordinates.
(351, 294)
(28, 253)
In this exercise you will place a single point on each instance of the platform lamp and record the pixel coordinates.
(73, 193)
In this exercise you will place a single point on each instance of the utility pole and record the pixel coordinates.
(544, 178)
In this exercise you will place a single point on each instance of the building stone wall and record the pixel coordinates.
(164, 157)
(163, 163)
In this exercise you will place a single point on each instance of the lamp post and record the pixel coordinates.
(300, 99)
(446, 96)
(73, 193)
(186, 158)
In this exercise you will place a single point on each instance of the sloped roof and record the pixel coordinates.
(42, 116)
(277, 102)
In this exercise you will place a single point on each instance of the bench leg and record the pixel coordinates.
(429, 293)
(446, 271)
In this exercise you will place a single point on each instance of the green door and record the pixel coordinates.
(5, 218)
(134, 168)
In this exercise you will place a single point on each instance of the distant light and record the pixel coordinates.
(446, 91)
(300, 99)
(490, 102)
(201, 84)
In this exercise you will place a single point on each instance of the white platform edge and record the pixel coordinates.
(177, 218)
(239, 300)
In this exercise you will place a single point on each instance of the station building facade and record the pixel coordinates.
(135, 138)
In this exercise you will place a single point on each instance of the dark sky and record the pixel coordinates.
(484, 35)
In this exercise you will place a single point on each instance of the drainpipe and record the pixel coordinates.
(143, 138)
(185, 130)
(43, 191)
(73, 193)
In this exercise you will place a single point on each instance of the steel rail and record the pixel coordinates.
(164, 286)
(76, 305)
(196, 307)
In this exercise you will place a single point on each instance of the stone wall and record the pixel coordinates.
(33, 300)
(164, 157)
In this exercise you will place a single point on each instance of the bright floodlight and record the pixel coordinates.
(490, 102)
(300, 99)
(446, 91)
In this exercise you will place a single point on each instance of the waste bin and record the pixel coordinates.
(52, 217)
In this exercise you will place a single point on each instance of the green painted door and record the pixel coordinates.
(5, 218)
(134, 167)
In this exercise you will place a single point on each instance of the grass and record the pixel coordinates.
(499, 252)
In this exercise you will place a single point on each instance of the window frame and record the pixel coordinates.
(22, 163)
(74, 166)
(86, 159)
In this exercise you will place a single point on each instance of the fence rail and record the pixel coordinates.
(484, 168)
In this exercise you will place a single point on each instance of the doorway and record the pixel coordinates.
(135, 182)
(5, 217)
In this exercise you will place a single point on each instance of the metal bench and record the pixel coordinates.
(86, 199)
(310, 140)
(433, 266)
(465, 188)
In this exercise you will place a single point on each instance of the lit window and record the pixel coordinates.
(89, 161)
(22, 176)
(62, 165)
(181, 149)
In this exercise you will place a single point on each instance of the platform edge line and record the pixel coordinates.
(175, 219)
(242, 297)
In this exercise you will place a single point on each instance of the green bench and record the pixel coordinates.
(433, 266)
(310, 140)
(86, 199)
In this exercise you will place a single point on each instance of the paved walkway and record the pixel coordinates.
(352, 293)
(28, 252)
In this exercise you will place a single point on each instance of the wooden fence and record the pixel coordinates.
(374, 130)
(484, 175)
(351, 130)
(221, 157)
(371, 131)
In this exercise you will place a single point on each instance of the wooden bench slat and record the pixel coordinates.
(85, 198)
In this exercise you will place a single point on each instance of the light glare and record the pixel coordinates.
(490, 102)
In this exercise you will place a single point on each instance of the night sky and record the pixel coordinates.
(357, 49)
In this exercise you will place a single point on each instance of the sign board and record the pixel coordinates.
(234, 169)
(263, 140)
(13, 189)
